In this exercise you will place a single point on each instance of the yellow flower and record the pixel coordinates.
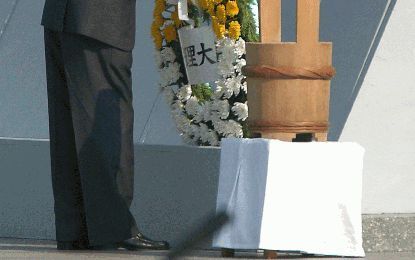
(170, 33)
(158, 41)
(157, 37)
(176, 19)
(232, 8)
(159, 7)
(221, 13)
(158, 20)
(211, 9)
(154, 28)
(218, 28)
(208, 5)
(204, 4)
(234, 30)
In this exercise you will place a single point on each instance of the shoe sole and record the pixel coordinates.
(137, 248)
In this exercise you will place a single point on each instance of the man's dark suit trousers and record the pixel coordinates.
(91, 115)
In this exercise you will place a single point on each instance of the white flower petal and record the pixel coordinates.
(240, 110)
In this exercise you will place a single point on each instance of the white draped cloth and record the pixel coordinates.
(291, 196)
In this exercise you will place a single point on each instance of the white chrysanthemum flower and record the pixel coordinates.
(204, 113)
(174, 71)
(228, 128)
(187, 139)
(177, 106)
(229, 86)
(222, 89)
(218, 125)
(164, 79)
(239, 65)
(240, 110)
(233, 129)
(244, 87)
(167, 54)
(175, 88)
(219, 44)
(225, 68)
(158, 60)
(204, 132)
(207, 135)
(192, 106)
(233, 84)
(229, 53)
(229, 45)
(240, 47)
(187, 134)
(221, 107)
(182, 122)
(184, 93)
(218, 91)
(215, 117)
(170, 74)
(226, 63)
(168, 95)
(195, 132)
(213, 139)
(225, 42)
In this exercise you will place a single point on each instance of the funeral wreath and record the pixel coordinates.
(204, 112)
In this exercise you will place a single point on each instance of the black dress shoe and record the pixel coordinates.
(157, 243)
(72, 245)
(141, 242)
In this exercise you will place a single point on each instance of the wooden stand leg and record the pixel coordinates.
(287, 137)
(320, 137)
(228, 252)
(270, 254)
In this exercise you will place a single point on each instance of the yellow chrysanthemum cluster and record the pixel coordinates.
(234, 30)
(222, 14)
(220, 11)
(218, 27)
(169, 32)
(232, 8)
(158, 21)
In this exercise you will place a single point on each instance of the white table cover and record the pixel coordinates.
(291, 196)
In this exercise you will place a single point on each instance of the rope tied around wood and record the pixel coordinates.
(289, 127)
(289, 72)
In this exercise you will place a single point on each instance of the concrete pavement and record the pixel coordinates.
(41, 249)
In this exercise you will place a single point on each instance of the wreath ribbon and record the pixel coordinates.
(183, 11)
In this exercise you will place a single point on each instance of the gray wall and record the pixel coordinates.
(352, 25)
(22, 82)
(355, 27)
(382, 118)
(23, 103)
(171, 195)
(372, 95)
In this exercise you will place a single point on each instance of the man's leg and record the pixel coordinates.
(69, 213)
(100, 91)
